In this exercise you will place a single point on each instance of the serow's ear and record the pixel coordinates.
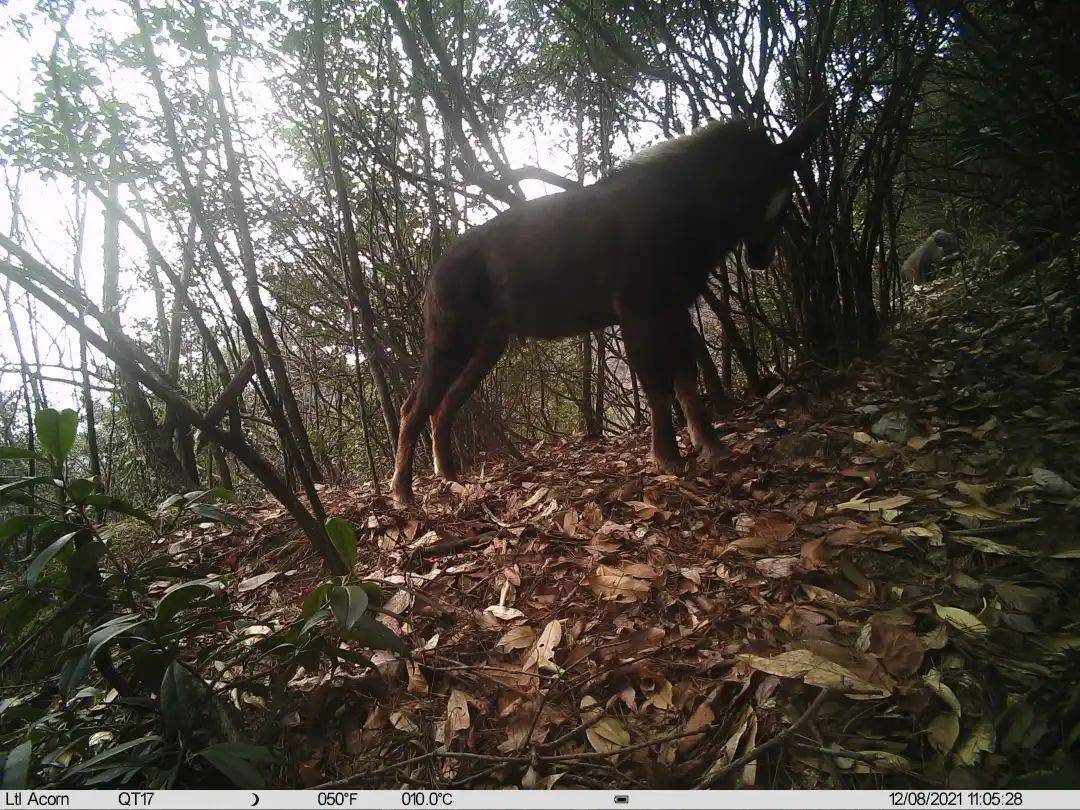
(807, 131)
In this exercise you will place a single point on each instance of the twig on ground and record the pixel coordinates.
(712, 777)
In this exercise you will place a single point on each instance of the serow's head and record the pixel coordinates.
(946, 241)
(759, 247)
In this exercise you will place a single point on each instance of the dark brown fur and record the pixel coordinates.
(634, 249)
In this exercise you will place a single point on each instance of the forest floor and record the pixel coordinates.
(879, 589)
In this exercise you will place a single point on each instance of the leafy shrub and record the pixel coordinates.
(134, 682)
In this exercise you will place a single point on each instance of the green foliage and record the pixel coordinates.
(343, 536)
(135, 677)
(56, 432)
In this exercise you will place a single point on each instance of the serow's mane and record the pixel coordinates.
(715, 137)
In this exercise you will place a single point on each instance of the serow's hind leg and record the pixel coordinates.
(647, 346)
(444, 357)
(702, 434)
(487, 354)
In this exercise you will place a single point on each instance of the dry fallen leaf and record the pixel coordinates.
(866, 505)
(1052, 483)
(961, 619)
(251, 583)
(943, 731)
(542, 654)
(660, 696)
(899, 649)
(617, 585)
(517, 638)
(402, 722)
(608, 735)
(933, 680)
(777, 567)
(982, 739)
(774, 528)
(814, 669)
(457, 713)
(504, 613)
(703, 716)
(418, 685)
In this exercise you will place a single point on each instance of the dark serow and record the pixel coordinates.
(634, 249)
(940, 248)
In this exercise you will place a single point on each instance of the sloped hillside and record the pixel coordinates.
(879, 588)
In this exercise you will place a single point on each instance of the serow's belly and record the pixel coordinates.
(553, 319)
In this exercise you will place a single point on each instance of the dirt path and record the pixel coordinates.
(907, 544)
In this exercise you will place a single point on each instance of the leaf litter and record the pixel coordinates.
(886, 575)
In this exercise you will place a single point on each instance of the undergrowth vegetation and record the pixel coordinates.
(138, 663)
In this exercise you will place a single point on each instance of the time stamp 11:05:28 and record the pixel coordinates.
(956, 798)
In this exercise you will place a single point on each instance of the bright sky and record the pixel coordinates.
(49, 206)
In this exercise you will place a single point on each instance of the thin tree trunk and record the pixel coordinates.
(361, 299)
(94, 456)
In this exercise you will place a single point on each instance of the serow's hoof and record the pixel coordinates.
(713, 458)
(403, 497)
(669, 465)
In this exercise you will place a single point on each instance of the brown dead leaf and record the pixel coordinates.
(542, 653)
(457, 713)
(880, 505)
(591, 516)
(402, 722)
(251, 583)
(660, 695)
(899, 649)
(570, 521)
(750, 543)
(943, 731)
(819, 671)
(517, 638)
(608, 735)
(703, 716)
(775, 528)
(814, 553)
(418, 685)
(616, 585)
(777, 567)
(503, 613)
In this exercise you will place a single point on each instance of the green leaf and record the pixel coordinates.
(316, 618)
(374, 592)
(74, 671)
(10, 453)
(210, 495)
(79, 489)
(17, 766)
(179, 597)
(343, 536)
(348, 603)
(182, 693)
(377, 636)
(52, 529)
(235, 763)
(26, 482)
(120, 506)
(14, 526)
(42, 559)
(212, 513)
(107, 755)
(56, 431)
(353, 656)
(83, 564)
(169, 502)
(109, 630)
(315, 600)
